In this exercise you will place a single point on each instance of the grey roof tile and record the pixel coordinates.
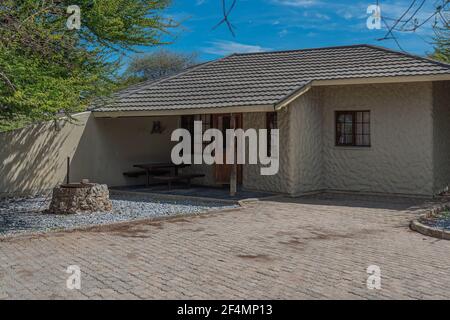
(268, 77)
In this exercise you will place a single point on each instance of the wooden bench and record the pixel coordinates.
(181, 177)
(138, 173)
(135, 173)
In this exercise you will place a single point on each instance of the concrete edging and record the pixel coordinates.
(429, 231)
(196, 198)
(438, 233)
(174, 197)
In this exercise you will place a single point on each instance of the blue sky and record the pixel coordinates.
(263, 25)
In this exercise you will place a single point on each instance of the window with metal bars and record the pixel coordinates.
(187, 122)
(353, 128)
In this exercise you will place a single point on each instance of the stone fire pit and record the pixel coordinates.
(81, 197)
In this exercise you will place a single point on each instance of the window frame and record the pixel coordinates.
(187, 122)
(354, 134)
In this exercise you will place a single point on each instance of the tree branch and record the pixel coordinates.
(8, 82)
(226, 13)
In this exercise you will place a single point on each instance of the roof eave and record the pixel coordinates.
(179, 112)
(375, 80)
(293, 96)
(352, 81)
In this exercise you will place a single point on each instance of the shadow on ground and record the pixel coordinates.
(222, 193)
(397, 203)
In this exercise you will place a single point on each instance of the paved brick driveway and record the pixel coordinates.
(314, 247)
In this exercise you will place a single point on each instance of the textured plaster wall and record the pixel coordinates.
(441, 135)
(306, 143)
(400, 159)
(252, 178)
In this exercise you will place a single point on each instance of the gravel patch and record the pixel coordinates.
(440, 220)
(27, 215)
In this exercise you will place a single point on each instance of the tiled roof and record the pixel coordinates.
(267, 78)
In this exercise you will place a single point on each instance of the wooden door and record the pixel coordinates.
(223, 171)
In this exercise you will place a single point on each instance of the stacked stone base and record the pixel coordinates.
(84, 198)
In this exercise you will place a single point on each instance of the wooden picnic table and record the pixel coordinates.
(155, 166)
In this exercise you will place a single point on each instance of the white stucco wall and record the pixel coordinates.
(33, 159)
(441, 135)
(400, 159)
(252, 178)
(119, 144)
(306, 143)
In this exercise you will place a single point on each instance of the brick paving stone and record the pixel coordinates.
(315, 247)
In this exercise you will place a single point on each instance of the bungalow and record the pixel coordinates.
(352, 118)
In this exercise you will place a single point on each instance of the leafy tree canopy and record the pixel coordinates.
(442, 41)
(47, 69)
(158, 64)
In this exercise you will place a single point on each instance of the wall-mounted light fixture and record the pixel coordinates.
(157, 127)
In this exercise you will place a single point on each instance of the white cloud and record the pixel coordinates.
(358, 11)
(199, 2)
(283, 33)
(225, 47)
(322, 16)
(395, 10)
(298, 3)
(346, 14)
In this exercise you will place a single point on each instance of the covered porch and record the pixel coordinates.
(135, 153)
